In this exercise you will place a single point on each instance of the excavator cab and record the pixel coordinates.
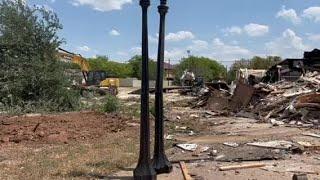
(103, 81)
(96, 77)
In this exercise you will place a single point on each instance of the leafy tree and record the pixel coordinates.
(202, 67)
(114, 69)
(32, 79)
(135, 64)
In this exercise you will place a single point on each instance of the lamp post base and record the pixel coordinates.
(162, 165)
(144, 172)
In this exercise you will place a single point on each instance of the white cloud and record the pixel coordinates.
(289, 15)
(114, 32)
(288, 45)
(314, 37)
(216, 50)
(312, 13)
(84, 48)
(224, 51)
(102, 5)
(255, 30)
(179, 36)
(234, 30)
(198, 45)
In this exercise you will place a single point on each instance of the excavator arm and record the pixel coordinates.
(76, 59)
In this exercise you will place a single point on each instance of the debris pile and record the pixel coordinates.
(297, 103)
(290, 102)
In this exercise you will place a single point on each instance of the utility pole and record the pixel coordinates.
(144, 169)
(161, 163)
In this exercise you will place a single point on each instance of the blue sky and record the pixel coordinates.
(223, 30)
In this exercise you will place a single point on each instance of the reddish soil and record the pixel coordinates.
(61, 128)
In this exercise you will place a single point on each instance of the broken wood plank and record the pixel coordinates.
(185, 171)
(311, 135)
(241, 166)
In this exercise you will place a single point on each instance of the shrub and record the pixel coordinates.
(111, 104)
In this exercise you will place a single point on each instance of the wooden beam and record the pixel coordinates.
(184, 170)
(241, 166)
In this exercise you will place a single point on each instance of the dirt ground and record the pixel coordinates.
(77, 145)
(90, 145)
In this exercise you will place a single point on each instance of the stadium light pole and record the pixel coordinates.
(160, 162)
(144, 169)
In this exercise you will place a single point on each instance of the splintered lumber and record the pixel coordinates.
(241, 166)
(185, 171)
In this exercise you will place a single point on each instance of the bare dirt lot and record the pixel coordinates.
(69, 145)
(62, 128)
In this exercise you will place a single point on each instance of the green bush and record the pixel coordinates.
(32, 78)
(111, 104)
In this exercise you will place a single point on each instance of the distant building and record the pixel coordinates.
(169, 71)
(292, 69)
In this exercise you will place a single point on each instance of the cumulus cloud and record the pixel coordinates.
(84, 48)
(256, 30)
(179, 36)
(114, 32)
(288, 45)
(251, 29)
(234, 30)
(217, 49)
(102, 5)
(229, 52)
(289, 15)
(312, 13)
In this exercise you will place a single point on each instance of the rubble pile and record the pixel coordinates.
(290, 102)
(297, 103)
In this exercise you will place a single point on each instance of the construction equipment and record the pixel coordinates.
(98, 81)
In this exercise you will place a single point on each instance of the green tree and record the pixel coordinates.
(135, 64)
(32, 79)
(202, 67)
(114, 69)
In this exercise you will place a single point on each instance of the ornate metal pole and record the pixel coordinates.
(160, 161)
(144, 169)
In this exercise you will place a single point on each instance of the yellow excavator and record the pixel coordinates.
(92, 80)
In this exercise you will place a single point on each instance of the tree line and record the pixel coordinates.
(207, 68)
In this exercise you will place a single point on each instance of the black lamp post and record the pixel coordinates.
(160, 161)
(144, 169)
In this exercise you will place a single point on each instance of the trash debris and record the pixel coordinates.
(188, 147)
(182, 128)
(241, 166)
(300, 177)
(213, 152)
(276, 123)
(169, 137)
(200, 149)
(231, 144)
(194, 116)
(191, 133)
(312, 135)
(273, 144)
